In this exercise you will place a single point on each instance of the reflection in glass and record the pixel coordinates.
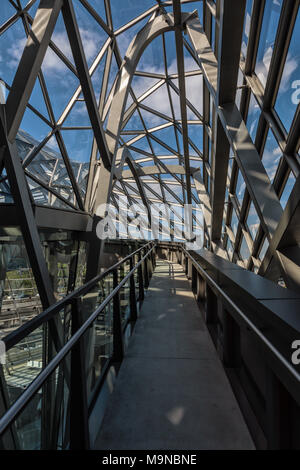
(267, 39)
(19, 299)
(252, 220)
(287, 189)
(271, 155)
(240, 188)
(44, 422)
(288, 96)
(244, 250)
(264, 248)
(253, 117)
(234, 221)
(247, 23)
(98, 340)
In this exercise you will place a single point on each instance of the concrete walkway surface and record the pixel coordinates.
(172, 391)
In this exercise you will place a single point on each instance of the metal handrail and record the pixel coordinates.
(20, 333)
(251, 325)
(18, 406)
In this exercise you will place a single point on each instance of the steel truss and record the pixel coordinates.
(119, 165)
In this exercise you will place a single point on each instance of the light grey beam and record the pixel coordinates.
(258, 184)
(154, 170)
(114, 124)
(231, 29)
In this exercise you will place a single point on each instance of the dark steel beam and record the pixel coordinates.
(20, 193)
(85, 80)
(30, 63)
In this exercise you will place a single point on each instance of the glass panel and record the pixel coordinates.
(288, 96)
(13, 41)
(229, 249)
(61, 253)
(123, 12)
(264, 248)
(29, 356)
(244, 250)
(19, 299)
(267, 39)
(240, 188)
(253, 117)
(44, 423)
(271, 155)
(213, 31)
(287, 189)
(252, 220)
(7, 11)
(234, 222)
(81, 265)
(247, 23)
(98, 340)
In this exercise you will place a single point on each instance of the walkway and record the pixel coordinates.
(172, 391)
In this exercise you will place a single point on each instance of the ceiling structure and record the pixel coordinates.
(158, 102)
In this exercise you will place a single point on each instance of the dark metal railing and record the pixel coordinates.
(252, 339)
(79, 435)
(273, 350)
(16, 336)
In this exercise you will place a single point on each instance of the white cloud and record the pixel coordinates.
(289, 68)
(15, 52)
(52, 63)
(159, 100)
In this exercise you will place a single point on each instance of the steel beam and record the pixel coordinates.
(85, 80)
(22, 201)
(230, 34)
(257, 181)
(30, 63)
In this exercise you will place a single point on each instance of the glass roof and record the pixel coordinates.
(169, 119)
(58, 118)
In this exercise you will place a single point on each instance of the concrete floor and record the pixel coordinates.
(171, 391)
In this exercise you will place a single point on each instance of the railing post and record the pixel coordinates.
(141, 281)
(133, 309)
(150, 265)
(154, 257)
(146, 274)
(189, 268)
(211, 306)
(118, 346)
(79, 426)
(231, 338)
(278, 418)
(194, 279)
(200, 293)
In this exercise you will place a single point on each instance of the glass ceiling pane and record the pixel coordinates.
(271, 155)
(13, 41)
(247, 23)
(7, 11)
(288, 96)
(62, 87)
(123, 12)
(267, 39)
(253, 117)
